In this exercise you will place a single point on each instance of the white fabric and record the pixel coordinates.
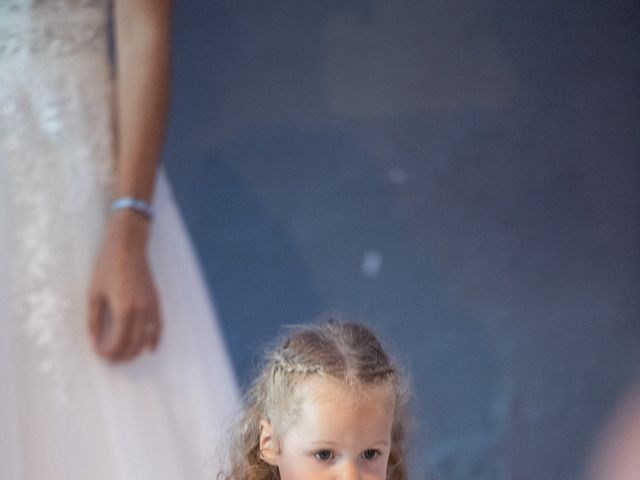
(64, 412)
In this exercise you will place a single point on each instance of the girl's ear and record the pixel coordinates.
(269, 448)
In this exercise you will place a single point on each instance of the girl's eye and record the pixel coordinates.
(324, 455)
(370, 454)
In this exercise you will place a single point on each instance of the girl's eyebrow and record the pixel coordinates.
(327, 442)
(382, 442)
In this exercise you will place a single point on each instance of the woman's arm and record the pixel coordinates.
(142, 45)
(122, 286)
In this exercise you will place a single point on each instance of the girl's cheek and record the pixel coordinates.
(301, 468)
(375, 469)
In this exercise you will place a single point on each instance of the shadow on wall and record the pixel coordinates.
(257, 280)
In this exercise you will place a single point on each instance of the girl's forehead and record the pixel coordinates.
(336, 411)
(323, 389)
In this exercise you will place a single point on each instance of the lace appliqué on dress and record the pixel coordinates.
(56, 146)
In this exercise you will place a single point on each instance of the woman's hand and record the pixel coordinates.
(124, 311)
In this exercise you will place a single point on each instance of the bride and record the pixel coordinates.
(112, 364)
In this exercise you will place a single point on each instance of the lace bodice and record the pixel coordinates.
(52, 27)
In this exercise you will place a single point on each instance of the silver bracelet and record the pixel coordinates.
(133, 203)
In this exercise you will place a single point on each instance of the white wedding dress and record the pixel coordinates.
(65, 414)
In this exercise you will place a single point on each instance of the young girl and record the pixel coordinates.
(329, 403)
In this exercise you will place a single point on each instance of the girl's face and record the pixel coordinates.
(340, 433)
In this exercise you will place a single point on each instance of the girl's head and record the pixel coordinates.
(329, 403)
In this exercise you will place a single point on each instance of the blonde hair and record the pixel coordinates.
(346, 351)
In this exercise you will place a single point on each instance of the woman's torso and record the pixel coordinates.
(56, 94)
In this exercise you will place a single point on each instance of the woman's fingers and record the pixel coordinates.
(133, 330)
(96, 310)
(153, 338)
(119, 337)
(135, 343)
(145, 325)
(121, 330)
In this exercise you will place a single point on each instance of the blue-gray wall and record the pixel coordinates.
(462, 175)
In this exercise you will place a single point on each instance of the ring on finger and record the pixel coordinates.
(149, 328)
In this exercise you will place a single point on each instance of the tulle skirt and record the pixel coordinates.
(66, 413)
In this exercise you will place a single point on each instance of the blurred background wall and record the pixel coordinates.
(464, 176)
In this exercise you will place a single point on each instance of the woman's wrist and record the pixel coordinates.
(129, 230)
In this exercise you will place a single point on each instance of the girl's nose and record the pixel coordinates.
(350, 471)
